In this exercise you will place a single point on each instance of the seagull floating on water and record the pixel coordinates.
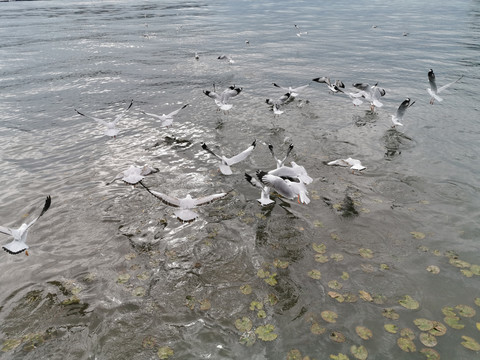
(354, 164)
(111, 126)
(225, 162)
(293, 91)
(337, 86)
(222, 99)
(265, 194)
(286, 188)
(134, 174)
(398, 117)
(167, 119)
(227, 58)
(371, 94)
(18, 243)
(184, 213)
(300, 33)
(433, 91)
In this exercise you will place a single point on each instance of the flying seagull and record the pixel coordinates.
(184, 213)
(300, 33)
(276, 103)
(225, 162)
(222, 99)
(166, 119)
(354, 164)
(371, 94)
(284, 187)
(336, 87)
(17, 245)
(293, 91)
(111, 126)
(134, 174)
(265, 194)
(293, 173)
(398, 117)
(433, 91)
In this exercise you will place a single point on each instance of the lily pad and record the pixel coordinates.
(453, 322)
(272, 299)
(337, 336)
(248, 338)
(384, 267)
(366, 253)
(390, 313)
(123, 278)
(459, 263)
(477, 301)
(319, 248)
(256, 305)
(262, 274)
(470, 343)
(336, 257)
(359, 352)
(205, 305)
(408, 302)
(365, 296)
(246, 289)
(315, 274)
(337, 296)
(329, 316)
(165, 352)
(448, 311)
(475, 269)
(391, 328)
(428, 339)
(334, 284)
(335, 236)
(294, 354)
(418, 235)
(430, 354)
(423, 324)
(280, 264)
(139, 291)
(261, 314)
(317, 329)
(321, 258)
(318, 223)
(339, 356)
(345, 276)
(407, 333)
(364, 332)
(406, 344)
(244, 324)
(190, 302)
(433, 269)
(350, 298)
(465, 310)
(467, 273)
(143, 276)
(271, 280)
(438, 329)
(11, 344)
(265, 332)
(149, 342)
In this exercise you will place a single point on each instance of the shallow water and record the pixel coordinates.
(112, 274)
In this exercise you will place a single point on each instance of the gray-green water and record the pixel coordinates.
(113, 275)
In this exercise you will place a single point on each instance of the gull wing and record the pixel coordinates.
(229, 93)
(243, 155)
(46, 206)
(431, 80)
(98, 120)
(173, 113)
(123, 113)
(159, 117)
(322, 79)
(279, 185)
(169, 200)
(300, 88)
(206, 148)
(212, 94)
(440, 89)
(253, 181)
(402, 108)
(207, 199)
(5, 230)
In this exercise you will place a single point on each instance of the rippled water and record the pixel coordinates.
(113, 275)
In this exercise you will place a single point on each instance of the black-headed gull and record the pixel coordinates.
(222, 99)
(111, 125)
(225, 162)
(184, 213)
(354, 164)
(280, 162)
(227, 58)
(299, 32)
(295, 172)
(18, 243)
(293, 91)
(276, 103)
(134, 174)
(166, 119)
(337, 86)
(265, 194)
(284, 187)
(371, 94)
(398, 117)
(433, 91)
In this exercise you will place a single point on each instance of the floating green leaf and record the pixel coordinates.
(315, 274)
(359, 352)
(477, 301)
(265, 332)
(246, 289)
(433, 269)
(407, 333)
(262, 274)
(319, 248)
(123, 278)
(205, 305)
(130, 256)
(408, 302)
(336, 257)
(390, 313)
(318, 223)
(345, 276)
(418, 235)
(248, 338)
(365, 296)
(280, 264)
(334, 284)
(365, 253)
(317, 329)
(337, 296)
(244, 324)
(149, 342)
(190, 302)
(368, 268)
(391, 328)
(430, 354)
(271, 280)
(453, 322)
(335, 236)
(379, 299)
(478, 326)
(294, 354)
(329, 316)
(261, 314)
(350, 298)
(428, 339)
(165, 352)
(364, 332)
(256, 305)
(465, 310)
(272, 299)
(339, 357)
(384, 267)
(139, 291)
(406, 344)
(459, 263)
(438, 329)
(423, 324)
(470, 343)
(337, 337)
(321, 258)
(448, 311)
(475, 269)
(11, 344)
(143, 276)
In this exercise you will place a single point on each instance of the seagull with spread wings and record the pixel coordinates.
(225, 162)
(433, 91)
(166, 119)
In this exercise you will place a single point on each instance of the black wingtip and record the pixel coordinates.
(254, 143)
(260, 174)
(48, 202)
(207, 92)
(248, 177)
(11, 252)
(204, 146)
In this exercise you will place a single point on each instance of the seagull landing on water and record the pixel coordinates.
(134, 174)
(111, 126)
(18, 243)
(371, 94)
(284, 187)
(398, 117)
(222, 99)
(433, 91)
(184, 213)
(280, 162)
(225, 162)
(167, 119)
(265, 194)
(336, 87)
(354, 164)
(293, 91)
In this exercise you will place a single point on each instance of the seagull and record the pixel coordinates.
(354, 164)
(17, 245)
(280, 162)
(111, 126)
(300, 33)
(265, 194)
(433, 91)
(196, 56)
(335, 87)
(134, 174)
(185, 204)
(275, 104)
(167, 119)
(293, 91)
(222, 99)
(371, 94)
(294, 172)
(226, 58)
(225, 162)
(285, 187)
(398, 117)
